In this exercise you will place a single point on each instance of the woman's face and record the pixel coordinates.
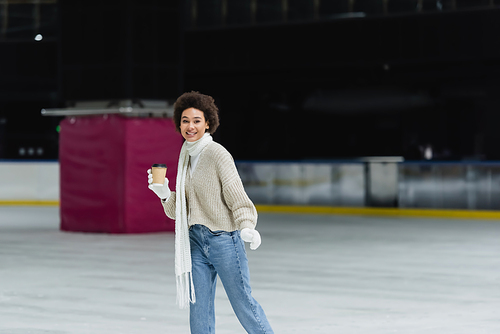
(193, 124)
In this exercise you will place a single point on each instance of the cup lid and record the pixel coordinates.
(159, 165)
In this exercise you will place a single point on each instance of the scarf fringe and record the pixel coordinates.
(185, 290)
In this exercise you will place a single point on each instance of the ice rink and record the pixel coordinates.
(312, 274)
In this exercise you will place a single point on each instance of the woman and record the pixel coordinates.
(213, 217)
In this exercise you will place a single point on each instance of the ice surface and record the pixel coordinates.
(312, 274)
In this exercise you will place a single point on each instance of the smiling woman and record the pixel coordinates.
(212, 212)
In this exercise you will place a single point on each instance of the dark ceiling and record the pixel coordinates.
(335, 79)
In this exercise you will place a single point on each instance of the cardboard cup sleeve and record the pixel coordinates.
(159, 171)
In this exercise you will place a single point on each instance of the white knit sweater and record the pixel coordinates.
(215, 194)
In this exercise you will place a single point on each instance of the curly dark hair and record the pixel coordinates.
(198, 101)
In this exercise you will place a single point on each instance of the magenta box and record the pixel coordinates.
(103, 163)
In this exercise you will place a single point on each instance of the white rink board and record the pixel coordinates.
(29, 181)
(337, 184)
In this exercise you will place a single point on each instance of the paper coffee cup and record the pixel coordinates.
(159, 171)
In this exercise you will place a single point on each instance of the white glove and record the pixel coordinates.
(162, 191)
(251, 236)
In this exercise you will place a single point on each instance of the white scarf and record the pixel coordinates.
(184, 278)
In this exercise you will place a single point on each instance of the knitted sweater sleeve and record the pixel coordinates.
(169, 205)
(233, 192)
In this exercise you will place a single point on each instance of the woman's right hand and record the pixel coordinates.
(162, 191)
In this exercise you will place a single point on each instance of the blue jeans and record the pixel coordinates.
(222, 253)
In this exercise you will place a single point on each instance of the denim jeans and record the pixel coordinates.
(222, 253)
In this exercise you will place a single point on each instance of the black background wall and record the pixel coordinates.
(313, 84)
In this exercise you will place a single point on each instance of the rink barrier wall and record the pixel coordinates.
(28, 182)
(375, 183)
(469, 190)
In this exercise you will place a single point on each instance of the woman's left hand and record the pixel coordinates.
(251, 236)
